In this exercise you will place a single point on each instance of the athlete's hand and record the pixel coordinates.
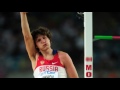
(23, 12)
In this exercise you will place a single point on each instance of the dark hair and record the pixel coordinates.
(41, 31)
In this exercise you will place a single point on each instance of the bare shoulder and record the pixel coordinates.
(68, 64)
(64, 57)
(63, 54)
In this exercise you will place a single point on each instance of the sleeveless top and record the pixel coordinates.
(49, 68)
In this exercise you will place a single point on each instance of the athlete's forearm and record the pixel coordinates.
(25, 25)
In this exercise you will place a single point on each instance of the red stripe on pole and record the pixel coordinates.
(116, 37)
(88, 59)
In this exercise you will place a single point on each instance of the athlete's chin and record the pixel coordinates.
(45, 49)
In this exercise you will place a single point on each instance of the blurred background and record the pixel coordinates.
(106, 52)
(68, 36)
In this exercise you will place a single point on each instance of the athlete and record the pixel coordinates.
(46, 62)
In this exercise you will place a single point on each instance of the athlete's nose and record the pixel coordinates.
(43, 41)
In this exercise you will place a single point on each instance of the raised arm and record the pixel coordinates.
(30, 47)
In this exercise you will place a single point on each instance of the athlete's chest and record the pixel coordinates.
(48, 62)
(46, 71)
(48, 68)
(42, 61)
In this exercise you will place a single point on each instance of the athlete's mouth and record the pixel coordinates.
(45, 45)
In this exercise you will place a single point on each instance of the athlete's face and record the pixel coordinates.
(43, 42)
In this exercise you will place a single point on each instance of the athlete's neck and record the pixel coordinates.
(47, 52)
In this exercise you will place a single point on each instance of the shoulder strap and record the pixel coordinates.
(55, 52)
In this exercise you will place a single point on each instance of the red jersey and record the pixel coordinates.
(49, 68)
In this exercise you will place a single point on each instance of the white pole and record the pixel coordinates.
(88, 45)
